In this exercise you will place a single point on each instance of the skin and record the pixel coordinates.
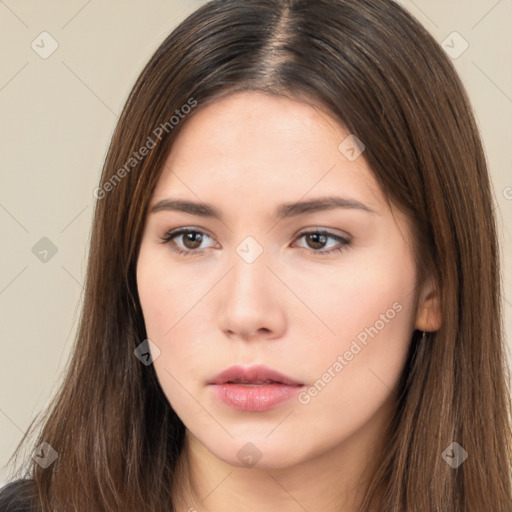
(291, 309)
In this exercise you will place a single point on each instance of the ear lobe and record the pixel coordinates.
(428, 316)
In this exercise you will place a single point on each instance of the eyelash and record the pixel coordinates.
(168, 238)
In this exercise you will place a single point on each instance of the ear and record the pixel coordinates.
(428, 315)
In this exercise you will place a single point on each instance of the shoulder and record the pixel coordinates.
(17, 496)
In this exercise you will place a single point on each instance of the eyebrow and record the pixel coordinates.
(283, 211)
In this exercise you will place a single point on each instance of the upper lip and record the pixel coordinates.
(256, 373)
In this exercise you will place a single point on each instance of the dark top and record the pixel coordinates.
(17, 496)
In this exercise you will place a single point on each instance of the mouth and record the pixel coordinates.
(254, 389)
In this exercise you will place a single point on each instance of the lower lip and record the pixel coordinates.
(256, 398)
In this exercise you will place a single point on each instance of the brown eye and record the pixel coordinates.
(316, 242)
(185, 241)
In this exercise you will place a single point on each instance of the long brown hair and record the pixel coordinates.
(371, 65)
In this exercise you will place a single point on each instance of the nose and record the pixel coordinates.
(252, 303)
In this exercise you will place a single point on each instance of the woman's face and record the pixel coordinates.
(324, 294)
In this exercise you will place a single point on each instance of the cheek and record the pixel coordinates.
(353, 377)
(173, 308)
(167, 295)
(362, 301)
(354, 373)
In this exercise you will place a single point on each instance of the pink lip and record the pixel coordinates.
(253, 389)
(253, 374)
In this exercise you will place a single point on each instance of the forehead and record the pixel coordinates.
(256, 147)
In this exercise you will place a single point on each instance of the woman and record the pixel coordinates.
(292, 298)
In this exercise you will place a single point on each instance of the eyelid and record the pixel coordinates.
(322, 231)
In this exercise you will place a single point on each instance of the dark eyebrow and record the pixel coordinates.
(283, 211)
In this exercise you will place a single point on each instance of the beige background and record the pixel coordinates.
(58, 115)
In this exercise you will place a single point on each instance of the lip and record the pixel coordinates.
(253, 374)
(254, 389)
